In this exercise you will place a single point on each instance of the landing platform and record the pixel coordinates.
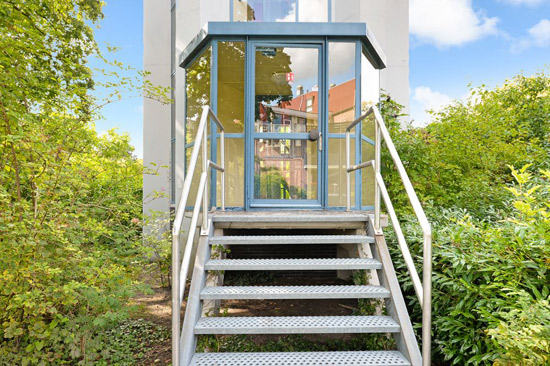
(291, 219)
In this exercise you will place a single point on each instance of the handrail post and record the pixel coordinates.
(427, 308)
(204, 226)
(222, 141)
(175, 300)
(348, 173)
(377, 158)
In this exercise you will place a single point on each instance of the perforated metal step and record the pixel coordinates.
(296, 325)
(293, 292)
(291, 239)
(291, 264)
(365, 358)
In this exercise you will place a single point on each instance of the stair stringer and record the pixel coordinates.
(395, 305)
(193, 310)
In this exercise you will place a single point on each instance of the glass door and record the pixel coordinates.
(286, 136)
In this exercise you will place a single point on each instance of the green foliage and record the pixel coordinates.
(461, 159)
(125, 343)
(292, 343)
(157, 242)
(70, 200)
(491, 279)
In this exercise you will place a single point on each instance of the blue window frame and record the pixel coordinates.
(286, 34)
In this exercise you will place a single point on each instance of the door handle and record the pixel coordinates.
(316, 135)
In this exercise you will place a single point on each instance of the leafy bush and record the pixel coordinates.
(461, 159)
(70, 200)
(491, 279)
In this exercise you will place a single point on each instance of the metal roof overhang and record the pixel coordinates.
(351, 31)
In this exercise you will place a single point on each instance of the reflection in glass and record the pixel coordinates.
(370, 83)
(287, 92)
(198, 95)
(234, 173)
(197, 79)
(286, 102)
(264, 11)
(341, 95)
(367, 184)
(231, 86)
(285, 169)
(341, 105)
(337, 173)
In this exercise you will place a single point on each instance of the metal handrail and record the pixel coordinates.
(422, 289)
(180, 269)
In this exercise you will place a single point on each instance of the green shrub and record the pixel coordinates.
(461, 158)
(70, 200)
(491, 279)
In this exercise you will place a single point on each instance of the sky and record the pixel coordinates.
(454, 45)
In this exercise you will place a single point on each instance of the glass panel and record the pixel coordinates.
(287, 91)
(234, 173)
(313, 11)
(367, 127)
(197, 175)
(264, 10)
(285, 169)
(367, 185)
(370, 84)
(231, 86)
(197, 80)
(341, 95)
(337, 172)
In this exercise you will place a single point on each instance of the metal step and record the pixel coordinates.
(293, 292)
(296, 325)
(291, 264)
(290, 239)
(362, 358)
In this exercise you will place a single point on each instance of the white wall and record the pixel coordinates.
(156, 117)
(389, 22)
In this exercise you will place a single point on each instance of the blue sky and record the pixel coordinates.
(454, 43)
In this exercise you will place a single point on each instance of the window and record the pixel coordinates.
(280, 10)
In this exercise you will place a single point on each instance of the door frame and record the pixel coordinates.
(250, 134)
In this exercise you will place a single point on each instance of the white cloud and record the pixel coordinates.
(538, 36)
(425, 99)
(525, 2)
(445, 23)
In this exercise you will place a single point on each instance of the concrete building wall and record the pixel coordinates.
(156, 116)
(387, 19)
(389, 22)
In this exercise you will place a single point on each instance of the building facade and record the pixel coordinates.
(285, 77)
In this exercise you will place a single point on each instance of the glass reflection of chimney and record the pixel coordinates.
(299, 90)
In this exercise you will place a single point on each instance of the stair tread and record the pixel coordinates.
(353, 358)
(292, 264)
(291, 239)
(294, 292)
(296, 325)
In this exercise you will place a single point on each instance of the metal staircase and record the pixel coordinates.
(362, 232)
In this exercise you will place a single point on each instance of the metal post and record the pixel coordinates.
(204, 225)
(222, 140)
(377, 149)
(427, 308)
(348, 173)
(176, 306)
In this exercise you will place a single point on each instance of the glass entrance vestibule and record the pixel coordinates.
(285, 101)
